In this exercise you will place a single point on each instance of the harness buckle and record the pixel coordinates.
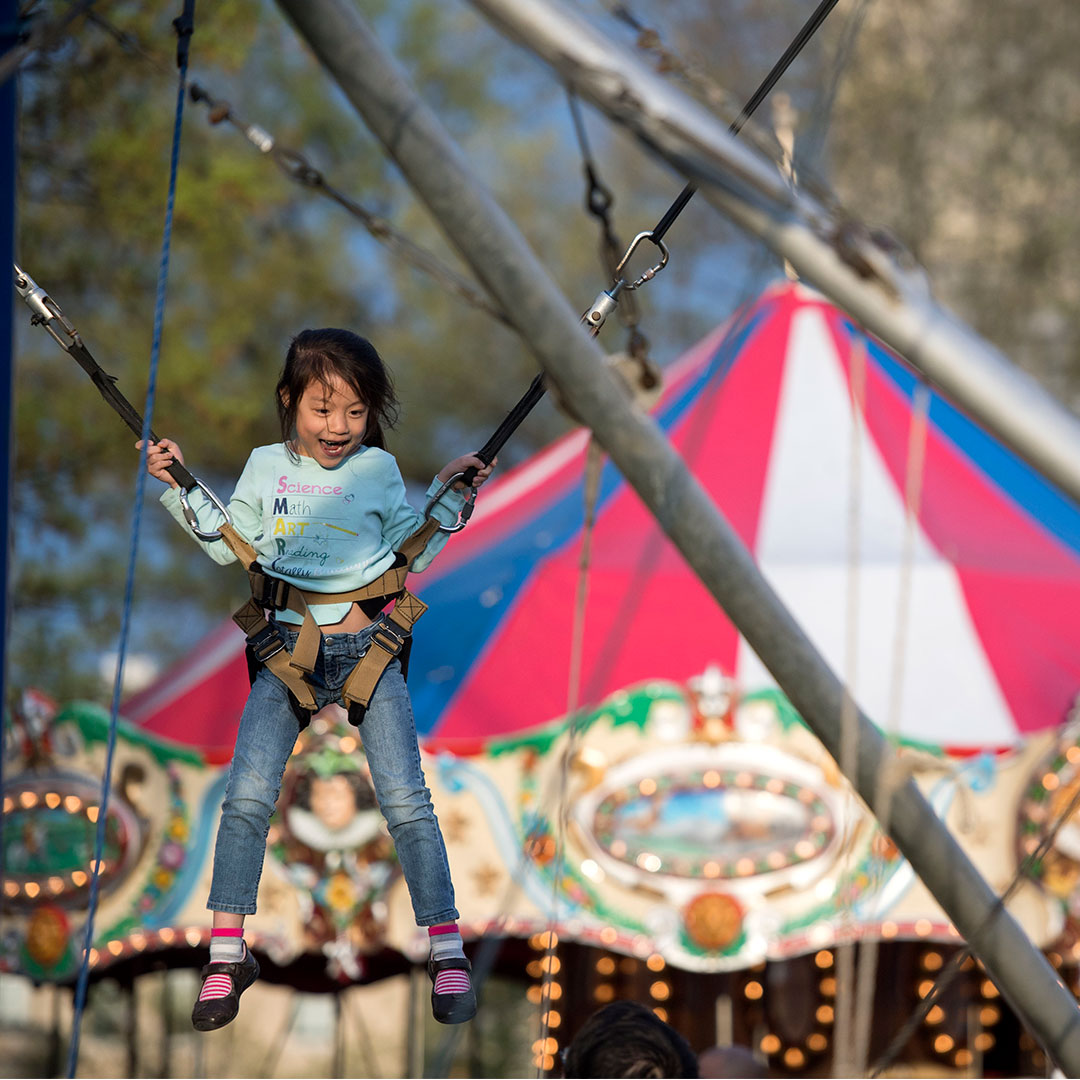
(266, 643)
(273, 592)
(389, 636)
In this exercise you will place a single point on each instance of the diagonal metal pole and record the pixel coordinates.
(503, 262)
(828, 249)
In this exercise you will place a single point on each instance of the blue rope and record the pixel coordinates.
(140, 489)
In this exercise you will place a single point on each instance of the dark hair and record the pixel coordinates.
(627, 1039)
(317, 356)
(363, 792)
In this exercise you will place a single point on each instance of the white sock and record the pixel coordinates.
(443, 946)
(226, 950)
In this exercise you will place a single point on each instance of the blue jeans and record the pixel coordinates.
(264, 743)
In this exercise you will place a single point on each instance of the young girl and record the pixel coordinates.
(325, 510)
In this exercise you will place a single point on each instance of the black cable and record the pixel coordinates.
(810, 27)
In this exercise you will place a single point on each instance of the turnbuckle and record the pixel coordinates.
(608, 300)
(466, 510)
(193, 519)
(46, 310)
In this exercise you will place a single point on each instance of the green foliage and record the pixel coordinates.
(956, 126)
(952, 127)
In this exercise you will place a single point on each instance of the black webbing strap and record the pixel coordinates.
(810, 27)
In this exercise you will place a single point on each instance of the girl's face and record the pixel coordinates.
(330, 422)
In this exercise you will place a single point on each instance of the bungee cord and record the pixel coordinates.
(184, 28)
(888, 779)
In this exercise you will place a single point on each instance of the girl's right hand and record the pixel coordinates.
(159, 456)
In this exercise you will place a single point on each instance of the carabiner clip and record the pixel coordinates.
(466, 510)
(193, 519)
(649, 274)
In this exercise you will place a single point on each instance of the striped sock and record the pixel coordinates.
(446, 943)
(226, 947)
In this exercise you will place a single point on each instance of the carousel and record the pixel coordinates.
(631, 807)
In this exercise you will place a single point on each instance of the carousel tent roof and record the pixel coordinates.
(962, 631)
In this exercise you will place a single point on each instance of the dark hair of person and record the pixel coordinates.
(315, 356)
(626, 1038)
(363, 792)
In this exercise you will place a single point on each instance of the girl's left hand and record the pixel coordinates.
(459, 465)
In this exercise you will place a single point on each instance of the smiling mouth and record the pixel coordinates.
(333, 447)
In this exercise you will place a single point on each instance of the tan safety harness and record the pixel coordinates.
(390, 640)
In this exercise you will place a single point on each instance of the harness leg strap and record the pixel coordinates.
(303, 716)
(269, 649)
(390, 640)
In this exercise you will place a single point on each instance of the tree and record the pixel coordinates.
(956, 126)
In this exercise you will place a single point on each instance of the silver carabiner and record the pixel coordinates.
(466, 510)
(649, 274)
(193, 519)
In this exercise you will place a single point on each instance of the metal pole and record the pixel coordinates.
(503, 262)
(830, 250)
(9, 36)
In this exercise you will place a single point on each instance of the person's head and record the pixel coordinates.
(334, 396)
(626, 1038)
(720, 1062)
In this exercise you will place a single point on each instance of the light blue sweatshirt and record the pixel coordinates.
(323, 530)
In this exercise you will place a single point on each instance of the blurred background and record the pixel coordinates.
(954, 124)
